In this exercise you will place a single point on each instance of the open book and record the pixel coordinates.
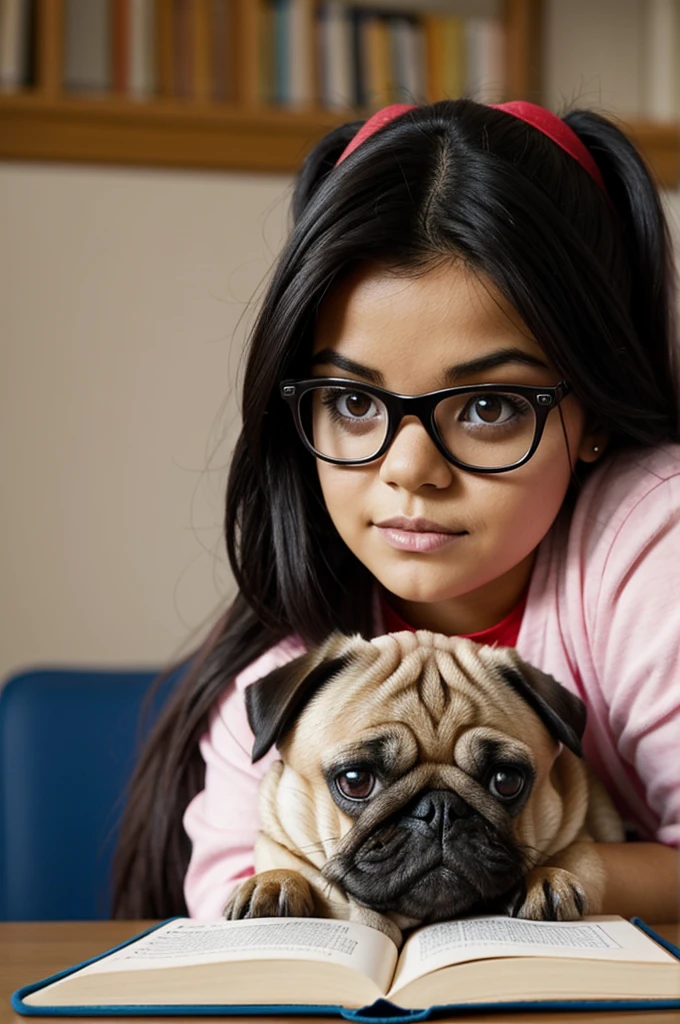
(278, 964)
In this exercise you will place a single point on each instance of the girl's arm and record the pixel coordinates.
(643, 880)
(222, 821)
(635, 638)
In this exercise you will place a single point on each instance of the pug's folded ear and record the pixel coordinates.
(276, 700)
(562, 712)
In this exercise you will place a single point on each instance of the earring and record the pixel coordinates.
(596, 448)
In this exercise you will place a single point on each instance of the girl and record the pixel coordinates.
(472, 326)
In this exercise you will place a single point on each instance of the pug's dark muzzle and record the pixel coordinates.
(435, 859)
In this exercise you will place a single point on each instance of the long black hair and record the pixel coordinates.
(589, 273)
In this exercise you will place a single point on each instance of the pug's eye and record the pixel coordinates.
(355, 783)
(506, 783)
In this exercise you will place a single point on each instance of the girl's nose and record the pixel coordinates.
(413, 461)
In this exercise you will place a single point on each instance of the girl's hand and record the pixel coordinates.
(641, 880)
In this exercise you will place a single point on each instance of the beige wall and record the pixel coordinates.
(124, 298)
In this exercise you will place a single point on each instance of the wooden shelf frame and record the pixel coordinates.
(160, 133)
(164, 133)
(46, 124)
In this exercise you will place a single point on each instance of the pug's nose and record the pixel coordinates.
(438, 809)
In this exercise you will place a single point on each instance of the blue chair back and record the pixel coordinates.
(69, 740)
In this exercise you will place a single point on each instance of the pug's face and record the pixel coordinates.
(421, 767)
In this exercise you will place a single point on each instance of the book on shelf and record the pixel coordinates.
(334, 45)
(16, 51)
(296, 54)
(142, 48)
(220, 33)
(659, 60)
(133, 45)
(484, 59)
(182, 48)
(281, 51)
(88, 50)
(302, 92)
(293, 965)
(376, 59)
(201, 85)
(409, 60)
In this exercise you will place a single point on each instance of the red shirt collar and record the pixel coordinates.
(503, 634)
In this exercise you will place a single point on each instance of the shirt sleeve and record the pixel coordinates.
(636, 648)
(222, 821)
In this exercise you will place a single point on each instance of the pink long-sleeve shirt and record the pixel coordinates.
(602, 616)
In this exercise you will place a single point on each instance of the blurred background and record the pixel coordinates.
(147, 149)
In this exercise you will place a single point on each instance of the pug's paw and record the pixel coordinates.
(271, 894)
(550, 894)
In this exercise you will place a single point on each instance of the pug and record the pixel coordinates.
(422, 778)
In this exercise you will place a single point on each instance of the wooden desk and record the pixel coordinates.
(30, 951)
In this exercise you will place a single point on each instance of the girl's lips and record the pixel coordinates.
(415, 524)
(417, 540)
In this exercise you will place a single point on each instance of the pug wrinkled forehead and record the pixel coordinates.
(411, 698)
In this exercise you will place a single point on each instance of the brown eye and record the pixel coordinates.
(490, 409)
(506, 783)
(357, 404)
(355, 783)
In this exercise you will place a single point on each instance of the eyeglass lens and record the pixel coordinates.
(485, 429)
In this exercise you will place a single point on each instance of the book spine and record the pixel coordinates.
(412, 70)
(87, 46)
(321, 34)
(473, 57)
(302, 91)
(359, 85)
(419, 48)
(183, 48)
(281, 52)
(120, 39)
(266, 51)
(485, 42)
(219, 49)
(202, 71)
(433, 28)
(403, 74)
(164, 47)
(371, 59)
(495, 50)
(454, 56)
(48, 27)
(142, 83)
(659, 59)
(245, 58)
(15, 51)
(335, 55)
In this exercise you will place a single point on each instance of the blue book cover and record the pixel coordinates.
(636, 942)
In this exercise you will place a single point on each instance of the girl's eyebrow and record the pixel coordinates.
(329, 357)
(503, 357)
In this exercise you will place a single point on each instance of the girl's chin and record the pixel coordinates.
(424, 592)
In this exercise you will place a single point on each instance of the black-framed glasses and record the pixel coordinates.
(484, 428)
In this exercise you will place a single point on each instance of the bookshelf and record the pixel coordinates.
(47, 123)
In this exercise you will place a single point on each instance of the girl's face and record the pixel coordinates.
(412, 335)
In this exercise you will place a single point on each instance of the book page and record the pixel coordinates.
(185, 942)
(486, 938)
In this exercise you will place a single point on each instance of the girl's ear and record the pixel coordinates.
(276, 700)
(593, 443)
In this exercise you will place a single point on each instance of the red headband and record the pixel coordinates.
(545, 121)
